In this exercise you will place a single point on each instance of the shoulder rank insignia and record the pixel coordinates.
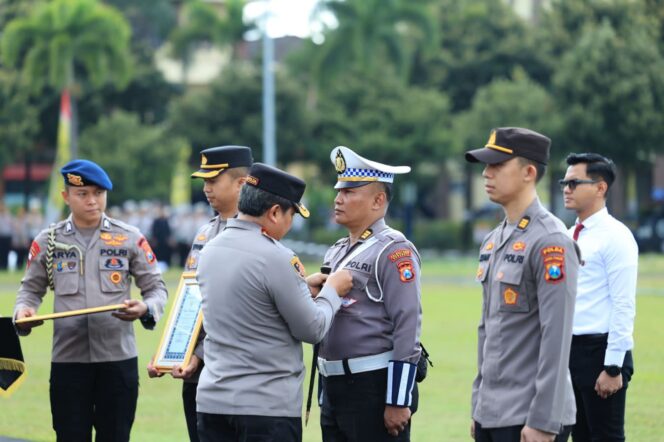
(523, 223)
(367, 233)
(298, 266)
(406, 272)
(554, 264)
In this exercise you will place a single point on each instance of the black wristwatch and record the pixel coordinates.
(612, 370)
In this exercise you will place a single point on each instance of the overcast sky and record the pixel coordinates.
(289, 17)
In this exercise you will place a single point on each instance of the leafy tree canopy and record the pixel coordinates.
(138, 158)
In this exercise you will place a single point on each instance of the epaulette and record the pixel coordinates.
(123, 225)
(340, 241)
(551, 224)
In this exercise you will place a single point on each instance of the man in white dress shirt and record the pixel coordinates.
(601, 359)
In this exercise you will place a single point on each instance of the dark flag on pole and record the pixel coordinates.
(12, 366)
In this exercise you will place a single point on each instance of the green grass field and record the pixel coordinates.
(451, 303)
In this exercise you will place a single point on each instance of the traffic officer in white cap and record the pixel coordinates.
(368, 359)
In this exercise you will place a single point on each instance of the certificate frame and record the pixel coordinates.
(183, 326)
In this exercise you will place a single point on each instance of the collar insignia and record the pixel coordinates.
(366, 234)
(524, 223)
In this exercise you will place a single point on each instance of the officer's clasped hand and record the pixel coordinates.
(27, 312)
(133, 310)
(315, 283)
(341, 281)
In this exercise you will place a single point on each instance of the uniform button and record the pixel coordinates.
(500, 275)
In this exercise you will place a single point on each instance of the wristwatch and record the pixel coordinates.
(612, 370)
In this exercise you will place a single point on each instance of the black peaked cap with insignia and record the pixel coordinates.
(280, 183)
(217, 159)
(506, 143)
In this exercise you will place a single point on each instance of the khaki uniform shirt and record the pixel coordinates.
(93, 275)
(203, 236)
(257, 310)
(383, 310)
(529, 288)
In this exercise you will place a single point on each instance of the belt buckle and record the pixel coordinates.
(321, 367)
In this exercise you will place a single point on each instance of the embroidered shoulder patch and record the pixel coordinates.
(401, 253)
(147, 250)
(406, 272)
(34, 251)
(298, 266)
(554, 264)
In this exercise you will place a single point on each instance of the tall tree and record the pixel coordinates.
(372, 35)
(229, 112)
(66, 43)
(479, 41)
(611, 89)
(202, 24)
(141, 164)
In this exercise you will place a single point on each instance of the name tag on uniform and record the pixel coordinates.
(183, 326)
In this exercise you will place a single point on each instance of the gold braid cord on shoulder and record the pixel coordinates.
(50, 249)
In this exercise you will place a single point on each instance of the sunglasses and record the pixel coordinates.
(573, 183)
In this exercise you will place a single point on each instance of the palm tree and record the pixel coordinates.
(64, 43)
(204, 25)
(371, 32)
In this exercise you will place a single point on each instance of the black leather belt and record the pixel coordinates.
(586, 339)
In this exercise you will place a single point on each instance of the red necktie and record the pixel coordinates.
(577, 229)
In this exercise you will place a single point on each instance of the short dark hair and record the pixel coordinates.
(238, 172)
(255, 201)
(597, 166)
(387, 188)
(539, 167)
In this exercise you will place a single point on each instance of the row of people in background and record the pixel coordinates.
(17, 232)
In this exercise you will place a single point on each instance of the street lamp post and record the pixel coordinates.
(269, 129)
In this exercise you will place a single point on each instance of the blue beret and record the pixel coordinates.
(79, 173)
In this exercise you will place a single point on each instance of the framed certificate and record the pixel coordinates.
(183, 326)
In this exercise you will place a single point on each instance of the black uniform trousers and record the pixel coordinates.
(102, 395)
(189, 404)
(597, 419)
(243, 428)
(510, 434)
(353, 408)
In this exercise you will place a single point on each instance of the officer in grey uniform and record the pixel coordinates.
(89, 260)
(257, 308)
(528, 271)
(224, 170)
(367, 362)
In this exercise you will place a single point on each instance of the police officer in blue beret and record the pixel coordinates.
(89, 260)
